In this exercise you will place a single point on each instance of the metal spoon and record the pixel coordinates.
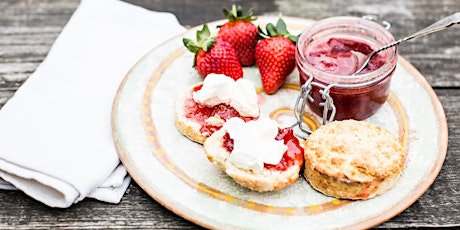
(435, 27)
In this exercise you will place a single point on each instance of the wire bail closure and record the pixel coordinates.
(374, 18)
(327, 104)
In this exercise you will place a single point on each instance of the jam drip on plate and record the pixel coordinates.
(292, 156)
(200, 113)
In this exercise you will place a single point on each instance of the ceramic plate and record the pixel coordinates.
(176, 173)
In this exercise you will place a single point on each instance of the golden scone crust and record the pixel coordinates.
(267, 180)
(353, 160)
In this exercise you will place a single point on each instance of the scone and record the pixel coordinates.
(257, 154)
(353, 160)
(203, 108)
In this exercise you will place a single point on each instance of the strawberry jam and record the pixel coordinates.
(331, 50)
(292, 156)
(199, 113)
(342, 56)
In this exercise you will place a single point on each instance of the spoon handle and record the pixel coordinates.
(435, 27)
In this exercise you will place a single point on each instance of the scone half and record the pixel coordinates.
(269, 179)
(353, 160)
(203, 108)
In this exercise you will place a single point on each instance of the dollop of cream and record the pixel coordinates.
(240, 94)
(254, 143)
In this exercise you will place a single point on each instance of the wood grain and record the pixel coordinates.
(28, 29)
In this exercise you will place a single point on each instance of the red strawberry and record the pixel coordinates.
(275, 56)
(213, 56)
(241, 33)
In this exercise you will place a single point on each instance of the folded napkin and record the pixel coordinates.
(55, 133)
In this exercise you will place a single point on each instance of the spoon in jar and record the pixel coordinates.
(435, 27)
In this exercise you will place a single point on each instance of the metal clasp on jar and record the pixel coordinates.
(385, 24)
(327, 104)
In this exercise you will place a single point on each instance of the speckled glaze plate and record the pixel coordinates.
(176, 173)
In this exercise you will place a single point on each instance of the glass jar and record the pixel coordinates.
(330, 50)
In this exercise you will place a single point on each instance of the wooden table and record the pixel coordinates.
(28, 29)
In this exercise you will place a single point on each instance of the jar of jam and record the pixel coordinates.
(327, 55)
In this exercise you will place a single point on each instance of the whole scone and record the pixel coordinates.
(353, 160)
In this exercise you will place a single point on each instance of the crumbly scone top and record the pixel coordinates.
(354, 151)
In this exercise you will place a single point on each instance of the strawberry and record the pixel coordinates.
(275, 55)
(213, 56)
(241, 33)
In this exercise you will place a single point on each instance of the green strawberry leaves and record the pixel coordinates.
(191, 45)
(279, 30)
(237, 14)
(203, 40)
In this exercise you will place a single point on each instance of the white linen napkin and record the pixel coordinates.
(55, 133)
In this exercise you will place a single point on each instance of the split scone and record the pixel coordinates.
(256, 154)
(203, 109)
(353, 160)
